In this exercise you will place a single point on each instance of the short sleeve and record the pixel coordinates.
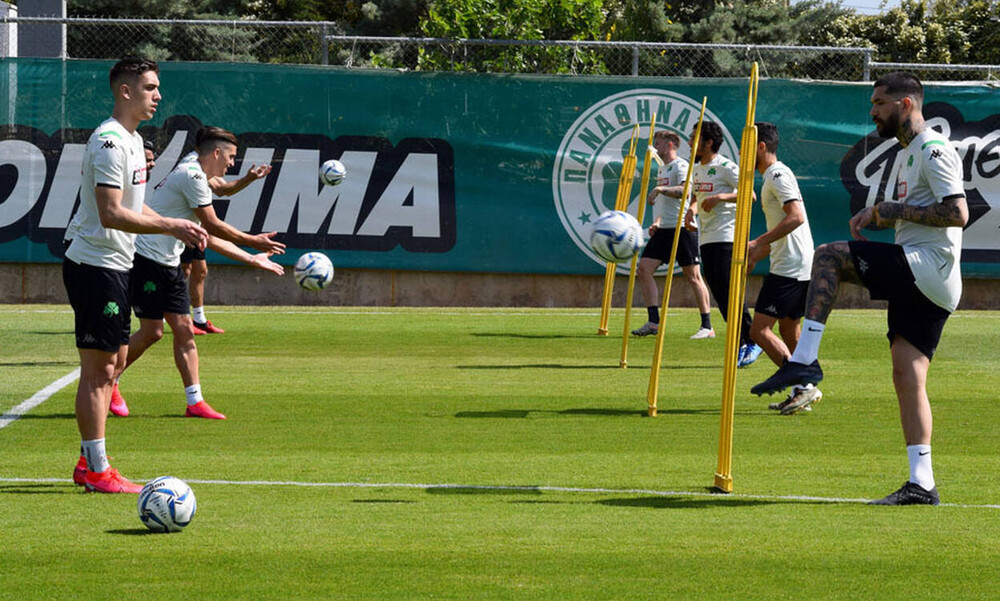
(785, 187)
(943, 169)
(732, 173)
(109, 162)
(197, 192)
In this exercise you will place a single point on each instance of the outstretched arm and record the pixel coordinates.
(114, 215)
(217, 227)
(221, 187)
(261, 260)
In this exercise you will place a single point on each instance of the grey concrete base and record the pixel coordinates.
(237, 285)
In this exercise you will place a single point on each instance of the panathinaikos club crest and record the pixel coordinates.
(589, 161)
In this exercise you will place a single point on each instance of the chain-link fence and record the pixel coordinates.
(315, 42)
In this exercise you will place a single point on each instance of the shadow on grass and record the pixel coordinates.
(529, 336)
(537, 366)
(482, 490)
(134, 532)
(685, 502)
(38, 363)
(19, 488)
(560, 366)
(523, 413)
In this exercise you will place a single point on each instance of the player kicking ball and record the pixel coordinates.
(157, 287)
(788, 241)
(919, 275)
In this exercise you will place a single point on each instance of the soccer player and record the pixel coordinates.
(919, 275)
(147, 149)
(715, 179)
(665, 198)
(788, 241)
(99, 257)
(193, 260)
(157, 286)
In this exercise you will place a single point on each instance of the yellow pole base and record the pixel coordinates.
(652, 412)
(602, 331)
(622, 363)
(724, 483)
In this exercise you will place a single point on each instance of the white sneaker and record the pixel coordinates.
(703, 333)
(646, 329)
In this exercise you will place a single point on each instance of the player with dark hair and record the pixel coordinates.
(714, 180)
(666, 200)
(919, 275)
(99, 258)
(788, 242)
(193, 260)
(157, 287)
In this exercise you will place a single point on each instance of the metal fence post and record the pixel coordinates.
(635, 60)
(324, 44)
(866, 73)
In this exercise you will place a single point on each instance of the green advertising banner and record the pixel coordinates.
(460, 172)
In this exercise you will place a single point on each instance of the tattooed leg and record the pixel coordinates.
(832, 264)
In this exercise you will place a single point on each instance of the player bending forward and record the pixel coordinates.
(919, 275)
(157, 287)
(788, 241)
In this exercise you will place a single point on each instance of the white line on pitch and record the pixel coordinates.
(38, 398)
(514, 488)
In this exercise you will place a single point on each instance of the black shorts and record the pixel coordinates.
(156, 289)
(659, 246)
(884, 271)
(192, 254)
(782, 297)
(99, 297)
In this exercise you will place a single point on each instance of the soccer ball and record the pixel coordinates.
(332, 172)
(616, 236)
(166, 504)
(313, 271)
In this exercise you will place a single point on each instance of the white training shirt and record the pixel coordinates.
(114, 158)
(178, 195)
(792, 255)
(667, 207)
(719, 176)
(930, 170)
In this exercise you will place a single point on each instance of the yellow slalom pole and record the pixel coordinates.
(653, 391)
(737, 289)
(621, 204)
(640, 213)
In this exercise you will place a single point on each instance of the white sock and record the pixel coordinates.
(807, 349)
(921, 471)
(96, 455)
(198, 314)
(193, 393)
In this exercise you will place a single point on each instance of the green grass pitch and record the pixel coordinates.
(497, 454)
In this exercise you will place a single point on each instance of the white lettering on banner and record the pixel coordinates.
(243, 205)
(29, 162)
(409, 201)
(65, 188)
(395, 195)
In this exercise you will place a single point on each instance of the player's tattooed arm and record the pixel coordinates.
(832, 265)
(950, 212)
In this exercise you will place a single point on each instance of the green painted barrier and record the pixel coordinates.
(459, 172)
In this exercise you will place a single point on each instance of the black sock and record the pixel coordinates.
(654, 314)
(706, 321)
